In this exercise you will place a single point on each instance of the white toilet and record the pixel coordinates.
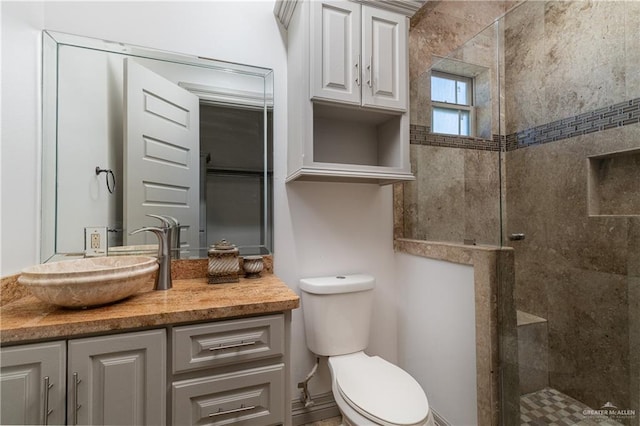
(368, 390)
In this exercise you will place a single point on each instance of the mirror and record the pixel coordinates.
(130, 131)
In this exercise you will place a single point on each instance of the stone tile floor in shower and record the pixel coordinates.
(546, 407)
(551, 407)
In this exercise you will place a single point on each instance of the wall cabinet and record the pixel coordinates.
(359, 55)
(347, 94)
(224, 372)
(118, 379)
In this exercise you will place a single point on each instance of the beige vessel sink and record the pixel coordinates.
(89, 282)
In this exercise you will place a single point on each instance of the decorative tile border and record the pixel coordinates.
(421, 135)
(616, 115)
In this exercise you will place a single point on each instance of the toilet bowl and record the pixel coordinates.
(371, 391)
(367, 389)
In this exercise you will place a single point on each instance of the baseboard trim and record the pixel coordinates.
(324, 407)
(438, 419)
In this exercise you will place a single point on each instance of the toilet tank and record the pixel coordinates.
(337, 313)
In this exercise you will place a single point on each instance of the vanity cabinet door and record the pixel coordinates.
(335, 57)
(118, 379)
(32, 384)
(384, 47)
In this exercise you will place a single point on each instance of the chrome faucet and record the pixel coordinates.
(163, 278)
(174, 232)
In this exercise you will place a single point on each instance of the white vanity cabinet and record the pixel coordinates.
(118, 379)
(348, 116)
(105, 380)
(230, 371)
(209, 373)
(32, 384)
(358, 55)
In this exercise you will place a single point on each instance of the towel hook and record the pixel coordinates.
(110, 186)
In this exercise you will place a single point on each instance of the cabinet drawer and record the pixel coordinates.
(253, 397)
(211, 345)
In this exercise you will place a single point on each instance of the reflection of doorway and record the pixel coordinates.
(235, 199)
(160, 154)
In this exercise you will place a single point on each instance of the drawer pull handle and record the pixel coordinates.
(234, 411)
(76, 406)
(46, 411)
(234, 345)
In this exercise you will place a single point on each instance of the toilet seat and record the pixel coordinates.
(379, 390)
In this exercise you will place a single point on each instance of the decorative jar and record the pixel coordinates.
(224, 264)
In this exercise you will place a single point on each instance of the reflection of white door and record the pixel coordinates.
(161, 154)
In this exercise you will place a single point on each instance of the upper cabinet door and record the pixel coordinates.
(335, 57)
(384, 75)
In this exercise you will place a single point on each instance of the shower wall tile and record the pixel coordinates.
(545, 63)
(588, 342)
(524, 67)
(481, 196)
(440, 194)
(441, 27)
(455, 195)
(595, 43)
(634, 248)
(632, 49)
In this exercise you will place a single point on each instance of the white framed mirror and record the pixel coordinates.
(130, 131)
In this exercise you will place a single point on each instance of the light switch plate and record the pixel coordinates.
(95, 241)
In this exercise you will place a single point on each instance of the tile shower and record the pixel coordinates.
(557, 158)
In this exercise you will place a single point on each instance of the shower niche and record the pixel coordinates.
(613, 184)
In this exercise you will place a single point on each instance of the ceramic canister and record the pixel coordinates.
(224, 264)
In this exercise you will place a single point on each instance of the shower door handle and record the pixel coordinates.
(516, 237)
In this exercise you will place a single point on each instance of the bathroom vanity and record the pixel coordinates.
(195, 354)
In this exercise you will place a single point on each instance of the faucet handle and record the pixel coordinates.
(167, 223)
(173, 220)
(161, 233)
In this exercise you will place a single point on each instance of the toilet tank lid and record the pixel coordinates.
(338, 284)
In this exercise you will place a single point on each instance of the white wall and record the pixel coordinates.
(19, 148)
(436, 333)
(320, 228)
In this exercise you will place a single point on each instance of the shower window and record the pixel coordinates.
(452, 104)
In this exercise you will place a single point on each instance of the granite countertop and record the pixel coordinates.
(190, 300)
